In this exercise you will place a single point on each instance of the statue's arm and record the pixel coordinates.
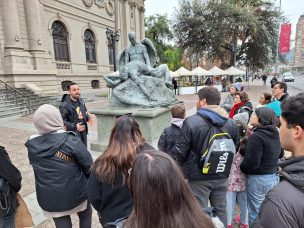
(127, 56)
(146, 56)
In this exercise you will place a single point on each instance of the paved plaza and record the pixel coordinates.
(15, 131)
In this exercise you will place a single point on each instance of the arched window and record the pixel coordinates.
(60, 39)
(111, 54)
(90, 46)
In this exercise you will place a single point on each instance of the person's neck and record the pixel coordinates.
(298, 150)
(280, 96)
(73, 99)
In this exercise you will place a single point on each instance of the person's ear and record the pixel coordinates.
(298, 133)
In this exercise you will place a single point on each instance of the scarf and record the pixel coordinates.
(234, 108)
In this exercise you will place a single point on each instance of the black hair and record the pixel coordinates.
(282, 85)
(266, 116)
(293, 109)
(71, 84)
(211, 94)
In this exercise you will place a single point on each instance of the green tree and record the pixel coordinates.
(173, 57)
(229, 30)
(158, 30)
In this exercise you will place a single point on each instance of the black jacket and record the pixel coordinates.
(284, 97)
(284, 205)
(110, 201)
(167, 140)
(262, 151)
(13, 177)
(190, 143)
(60, 185)
(69, 113)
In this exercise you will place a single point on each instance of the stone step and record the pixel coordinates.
(4, 114)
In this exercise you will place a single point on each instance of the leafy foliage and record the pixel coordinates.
(214, 28)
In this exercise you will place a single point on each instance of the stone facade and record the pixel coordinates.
(27, 54)
(299, 45)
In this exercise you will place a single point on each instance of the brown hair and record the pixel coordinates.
(267, 97)
(211, 94)
(244, 96)
(120, 153)
(161, 196)
(178, 111)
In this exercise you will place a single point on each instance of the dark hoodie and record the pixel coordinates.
(284, 205)
(190, 143)
(60, 185)
(262, 151)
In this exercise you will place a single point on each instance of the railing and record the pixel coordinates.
(11, 92)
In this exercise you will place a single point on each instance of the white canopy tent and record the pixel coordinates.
(173, 74)
(199, 71)
(234, 71)
(182, 71)
(216, 71)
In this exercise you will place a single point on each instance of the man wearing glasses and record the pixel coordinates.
(279, 91)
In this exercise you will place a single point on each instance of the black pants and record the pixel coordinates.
(85, 219)
(83, 136)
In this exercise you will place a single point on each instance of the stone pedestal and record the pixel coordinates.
(151, 122)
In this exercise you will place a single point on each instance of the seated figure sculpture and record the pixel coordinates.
(138, 83)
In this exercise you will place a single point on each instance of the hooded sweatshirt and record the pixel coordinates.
(284, 204)
(193, 134)
(262, 151)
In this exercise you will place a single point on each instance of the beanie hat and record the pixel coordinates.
(47, 118)
(241, 118)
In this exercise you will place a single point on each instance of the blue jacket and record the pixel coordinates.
(275, 106)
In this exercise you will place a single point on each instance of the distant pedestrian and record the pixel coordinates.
(224, 84)
(162, 197)
(74, 112)
(174, 83)
(264, 78)
(10, 184)
(208, 82)
(260, 163)
(284, 205)
(273, 81)
(169, 137)
(107, 187)
(61, 165)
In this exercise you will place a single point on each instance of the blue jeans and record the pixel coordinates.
(8, 222)
(257, 187)
(231, 198)
(215, 191)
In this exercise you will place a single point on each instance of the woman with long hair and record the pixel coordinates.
(260, 163)
(107, 187)
(161, 195)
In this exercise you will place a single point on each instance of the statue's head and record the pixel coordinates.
(132, 37)
(123, 73)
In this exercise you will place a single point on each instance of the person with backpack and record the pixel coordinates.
(10, 184)
(237, 180)
(241, 104)
(208, 175)
(260, 164)
(168, 138)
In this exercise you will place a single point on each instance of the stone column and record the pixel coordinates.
(33, 21)
(142, 22)
(10, 18)
(126, 23)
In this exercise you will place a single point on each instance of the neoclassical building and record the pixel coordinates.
(46, 43)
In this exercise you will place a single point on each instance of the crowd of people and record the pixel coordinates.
(225, 153)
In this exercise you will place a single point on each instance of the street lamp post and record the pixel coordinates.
(113, 37)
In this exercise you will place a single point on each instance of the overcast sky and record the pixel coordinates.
(292, 9)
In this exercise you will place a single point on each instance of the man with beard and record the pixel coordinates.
(74, 112)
